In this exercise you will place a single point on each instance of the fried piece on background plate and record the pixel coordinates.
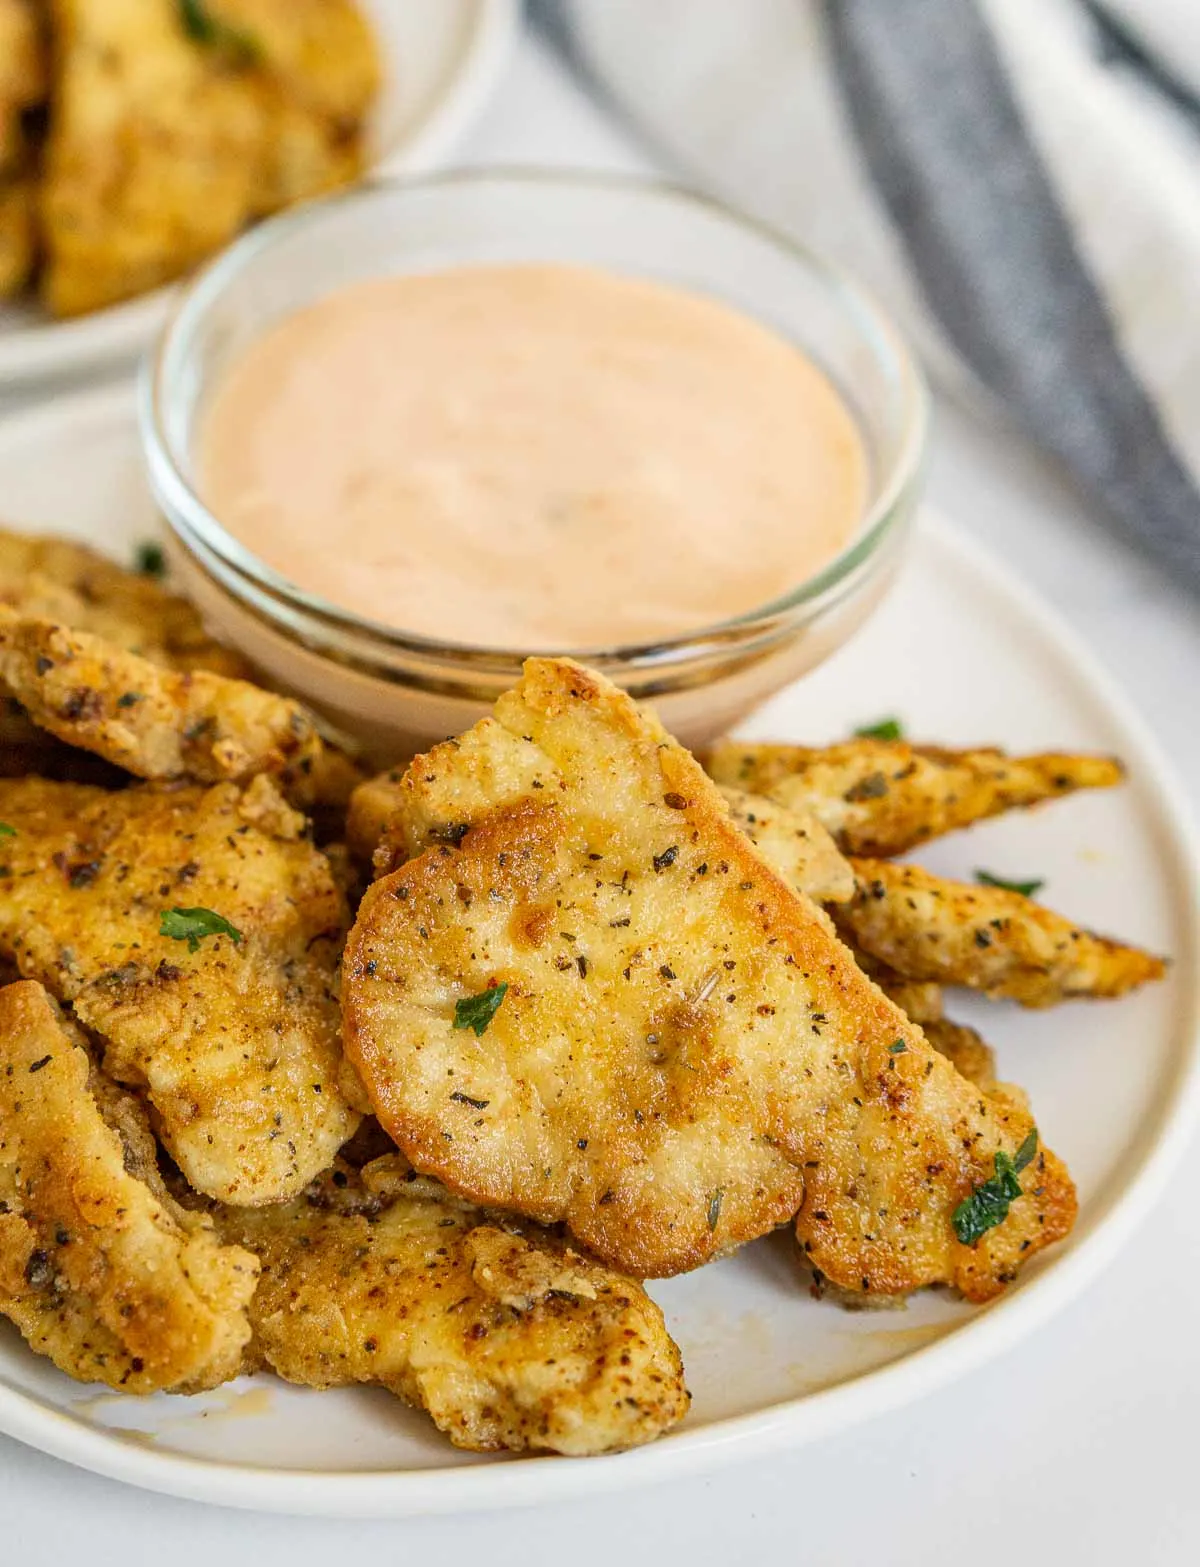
(23, 63)
(53, 578)
(320, 72)
(506, 1336)
(321, 53)
(154, 151)
(233, 1039)
(18, 240)
(883, 797)
(988, 938)
(175, 125)
(684, 1055)
(154, 722)
(99, 1270)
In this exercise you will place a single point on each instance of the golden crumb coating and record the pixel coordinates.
(508, 1337)
(795, 844)
(53, 578)
(883, 797)
(684, 1054)
(98, 1270)
(988, 938)
(236, 1043)
(23, 56)
(174, 127)
(154, 722)
(18, 236)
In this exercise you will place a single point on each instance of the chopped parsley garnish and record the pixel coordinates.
(149, 560)
(714, 1207)
(884, 729)
(6, 831)
(989, 1203)
(476, 1012)
(897, 1048)
(201, 25)
(1027, 889)
(192, 925)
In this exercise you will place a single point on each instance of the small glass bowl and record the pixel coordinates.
(395, 693)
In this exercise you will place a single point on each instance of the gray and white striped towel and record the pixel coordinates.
(1019, 180)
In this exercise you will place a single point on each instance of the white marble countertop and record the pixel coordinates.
(1086, 1451)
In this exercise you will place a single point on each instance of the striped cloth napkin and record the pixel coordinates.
(1018, 180)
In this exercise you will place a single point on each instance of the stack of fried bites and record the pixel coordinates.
(603, 1014)
(139, 136)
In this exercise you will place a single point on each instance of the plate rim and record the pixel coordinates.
(38, 360)
(527, 1480)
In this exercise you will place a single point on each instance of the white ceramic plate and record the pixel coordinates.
(962, 654)
(441, 59)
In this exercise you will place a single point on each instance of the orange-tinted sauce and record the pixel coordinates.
(533, 457)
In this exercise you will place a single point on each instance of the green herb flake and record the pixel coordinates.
(204, 28)
(149, 560)
(988, 1204)
(898, 1048)
(476, 1012)
(129, 698)
(1027, 889)
(714, 1207)
(6, 831)
(884, 729)
(192, 925)
(1026, 1152)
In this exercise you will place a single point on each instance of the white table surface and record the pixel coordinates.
(1080, 1446)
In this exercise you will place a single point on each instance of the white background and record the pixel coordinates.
(1081, 1446)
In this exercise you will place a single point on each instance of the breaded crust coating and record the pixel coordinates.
(236, 1045)
(18, 238)
(883, 797)
(22, 56)
(795, 844)
(684, 1054)
(170, 134)
(954, 933)
(504, 1334)
(90, 592)
(100, 1272)
(154, 722)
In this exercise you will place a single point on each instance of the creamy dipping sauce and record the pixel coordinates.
(533, 457)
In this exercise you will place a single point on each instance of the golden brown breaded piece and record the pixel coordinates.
(174, 127)
(922, 1002)
(927, 928)
(795, 844)
(883, 797)
(54, 578)
(319, 72)
(154, 722)
(504, 1334)
(99, 1271)
(235, 1044)
(153, 156)
(684, 1054)
(321, 53)
(373, 805)
(972, 1056)
(23, 62)
(18, 238)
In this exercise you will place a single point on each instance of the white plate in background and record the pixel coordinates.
(441, 61)
(964, 654)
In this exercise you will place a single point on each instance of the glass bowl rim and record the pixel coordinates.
(186, 513)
